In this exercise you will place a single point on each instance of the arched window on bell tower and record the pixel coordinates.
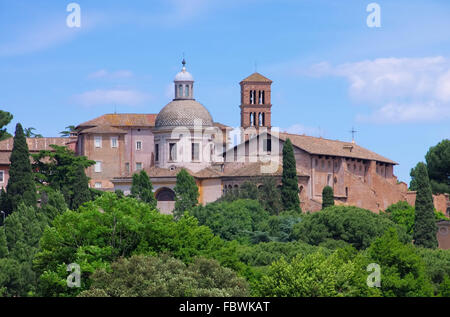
(184, 84)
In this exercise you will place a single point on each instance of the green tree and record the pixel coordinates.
(289, 180)
(236, 220)
(248, 190)
(164, 276)
(142, 188)
(437, 265)
(327, 197)
(186, 193)
(63, 171)
(3, 244)
(5, 119)
(317, 275)
(108, 228)
(30, 134)
(69, 129)
(438, 166)
(354, 225)
(21, 186)
(80, 188)
(269, 196)
(403, 270)
(425, 228)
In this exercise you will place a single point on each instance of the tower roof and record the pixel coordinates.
(184, 75)
(256, 77)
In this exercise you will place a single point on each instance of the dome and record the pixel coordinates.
(184, 76)
(181, 113)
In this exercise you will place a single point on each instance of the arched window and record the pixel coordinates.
(180, 91)
(263, 119)
(260, 119)
(186, 91)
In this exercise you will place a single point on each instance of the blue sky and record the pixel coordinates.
(331, 72)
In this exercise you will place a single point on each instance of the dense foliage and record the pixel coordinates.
(438, 167)
(354, 225)
(5, 119)
(164, 276)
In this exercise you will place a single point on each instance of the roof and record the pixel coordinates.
(256, 78)
(254, 170)
(157, 172)
(320, 146)
(35, 144)
(183, 113)
(104, 129)
(122, 120)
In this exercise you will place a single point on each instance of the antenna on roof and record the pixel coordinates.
(353, 132)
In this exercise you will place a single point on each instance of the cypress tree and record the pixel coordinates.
(186, 193)
(80, 189)
(289, 181)
(327, 197)
(142, 188)
(21, 186)
(425, 228)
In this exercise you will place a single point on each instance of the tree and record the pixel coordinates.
(327, 197)
(3, 244)
(425, 228)
(63, 171)
(403, 270)
(317, 275)
(354, 225)
(21, 186)
(438, 166)
(142, 188)
(104, 230)
(69, 129)
(164, 276)
(269, 196)
(248, 190)
(289, 180)
(81, 192)
(5, 119)
(186, 193)
(236, 220)
(30, 134)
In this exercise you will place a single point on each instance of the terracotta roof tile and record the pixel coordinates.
(104, 129)
(35, 144)
(122, 120)
(258, 78)
(320, 146)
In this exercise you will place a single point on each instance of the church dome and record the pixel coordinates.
(184, 75)
(183, 113)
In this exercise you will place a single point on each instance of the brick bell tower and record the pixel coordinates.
(255, 104)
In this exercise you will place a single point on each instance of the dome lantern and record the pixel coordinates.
(184, 84)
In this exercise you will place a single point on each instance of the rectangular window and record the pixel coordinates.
(172, 151)
(98, 166)
(138, 145)
(138, 166)
(157, 152)
(2, 176)
(267, 145)
(98, 185)
(195, 151)
(114, 142)
(127, 167)
(98, 141)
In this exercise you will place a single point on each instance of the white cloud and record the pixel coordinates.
(102, 73)
(400, 89)
(121, 97)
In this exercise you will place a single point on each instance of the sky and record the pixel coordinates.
(331, 72)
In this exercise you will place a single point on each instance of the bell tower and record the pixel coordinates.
(255, 104)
